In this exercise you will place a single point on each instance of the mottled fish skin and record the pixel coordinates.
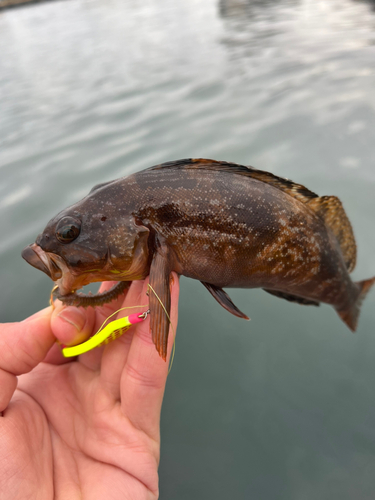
(223, 224)
(224, 231)
(237, 234)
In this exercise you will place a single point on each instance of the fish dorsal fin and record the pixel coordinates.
(293, 189)
(98, 186)
(330, 209)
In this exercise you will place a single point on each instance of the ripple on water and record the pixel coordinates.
(92, 90)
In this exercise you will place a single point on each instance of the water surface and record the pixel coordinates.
(278, 408)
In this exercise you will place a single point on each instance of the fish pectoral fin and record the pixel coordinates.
(160, 294)
(292, 298)
(224, 300)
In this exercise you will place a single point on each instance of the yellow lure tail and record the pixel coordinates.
(112, 331)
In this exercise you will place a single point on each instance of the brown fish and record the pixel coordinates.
(221, 223)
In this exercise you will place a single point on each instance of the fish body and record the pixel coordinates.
(223, 224)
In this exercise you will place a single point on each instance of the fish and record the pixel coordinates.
(224, 224)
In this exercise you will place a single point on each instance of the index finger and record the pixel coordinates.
(145, 373)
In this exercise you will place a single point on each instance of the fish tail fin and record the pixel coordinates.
(351, 314)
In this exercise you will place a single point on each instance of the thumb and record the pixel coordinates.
(72, 325)
(25, 344)
(22, 347)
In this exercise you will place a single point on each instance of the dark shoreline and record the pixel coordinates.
(8, 4)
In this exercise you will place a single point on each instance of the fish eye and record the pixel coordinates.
(68, 229)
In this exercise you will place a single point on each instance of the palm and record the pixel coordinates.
(91, 427)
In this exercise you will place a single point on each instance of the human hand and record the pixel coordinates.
(87, 428)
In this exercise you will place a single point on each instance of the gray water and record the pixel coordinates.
(282, 407)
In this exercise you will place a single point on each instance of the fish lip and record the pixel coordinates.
(49, 263)
(35, 256)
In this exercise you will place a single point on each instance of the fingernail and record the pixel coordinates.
(74, 316)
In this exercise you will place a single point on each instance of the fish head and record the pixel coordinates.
(83, 244)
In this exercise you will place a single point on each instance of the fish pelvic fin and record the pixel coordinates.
(160, 294)
(224, 300)
(330, 209)
(350, 315)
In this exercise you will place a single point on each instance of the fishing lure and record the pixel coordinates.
(103, 336)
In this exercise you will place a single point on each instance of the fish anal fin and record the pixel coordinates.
(160, 294)
(330, 209)
(224, 300)
(292, 298)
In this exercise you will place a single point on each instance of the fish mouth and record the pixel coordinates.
(67, 282)
(39, 259)
(55, 268)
